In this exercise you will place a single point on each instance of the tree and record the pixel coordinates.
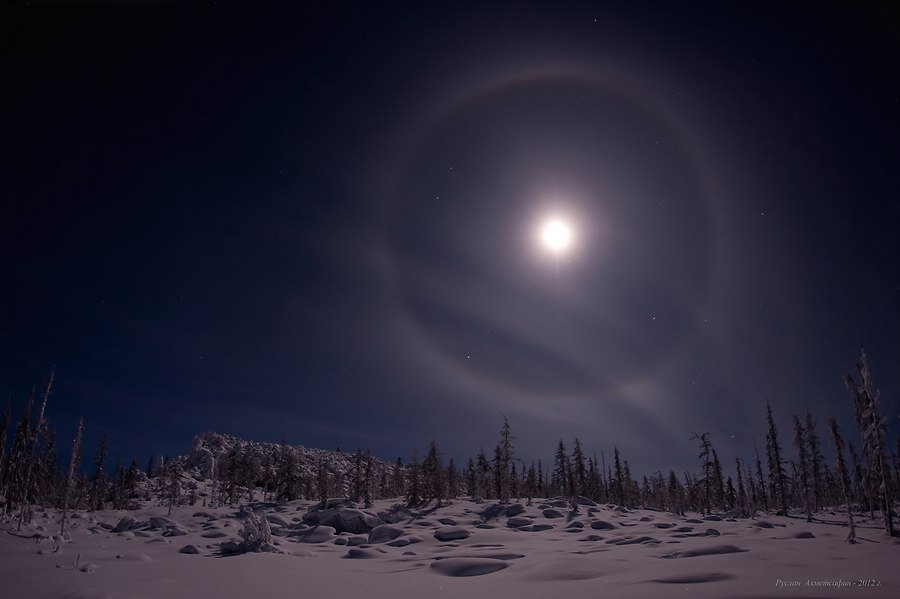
(843, 476)
(777, 476)
(100, 481)
(452, 480)
(560, 480)
(504, 458)
(760, 482)
(578, 469)
(871, 427)
(802, 466)
(287, 478)
(414, 485)
(170, 487)
(432, 472)
(70, 477)
(741, 490)
(708, 469)
(815, 460)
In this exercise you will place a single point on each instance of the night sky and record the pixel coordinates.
(321, 224)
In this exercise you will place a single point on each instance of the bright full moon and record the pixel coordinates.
(556, 235)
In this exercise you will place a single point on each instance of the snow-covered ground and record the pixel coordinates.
(465, 549)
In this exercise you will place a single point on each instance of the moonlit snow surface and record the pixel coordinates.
(453, 551)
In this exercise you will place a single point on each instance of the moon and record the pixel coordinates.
(556, 235)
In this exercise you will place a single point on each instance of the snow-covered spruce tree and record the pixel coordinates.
(777, 476)
(707, 470)
(842, 475)
(619, 487)
(815, 460)
(741, 503)
(357, 476)
(803, 472)
(592, 485)
(470, 478)
(718, 483)
(531, 482)
(71, 478)
(674, 495)
(14, 477)
(47, 475)
(482, 468)
(100, 481)
(559, 483)
(287, 475)
(397, 483)
(171, 484)
(322, 481)
(368, 480)
(414, 484)
(872, 428)
(452, 480)
(504, 456)
(433, 475)
(578, 468)
(761, 496)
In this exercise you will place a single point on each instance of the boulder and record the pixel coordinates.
(451, 533)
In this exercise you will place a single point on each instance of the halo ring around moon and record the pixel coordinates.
(457, 364)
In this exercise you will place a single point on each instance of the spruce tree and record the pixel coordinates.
(70, 483)
(815, 460)
(842, 475)
(800, 442)
(100, 481)
(580, 474)
(777, 476)
(452, 480)
(432, 473)
(871, 425)
(560, 481)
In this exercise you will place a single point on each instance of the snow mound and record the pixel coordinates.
(712, 550)
(468, 566)
(451, 533)
(696, 578)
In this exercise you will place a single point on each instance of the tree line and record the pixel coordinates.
(222, 470)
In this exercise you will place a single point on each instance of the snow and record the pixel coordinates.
(461, 549)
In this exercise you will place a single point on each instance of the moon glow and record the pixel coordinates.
(556, 235)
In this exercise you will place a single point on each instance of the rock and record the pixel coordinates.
(713, 518)
(159, 522)
(192, 549)
(340, 541)
(602, 525)
(175, 530)
(575, 524)
(551, 513)
(712, 532)
(384, 533)
(448, 521)
(517, 521)
(316, 534)
(126, 523)
(451, 533)
(344, 519)
(357, 541)
(515, 509)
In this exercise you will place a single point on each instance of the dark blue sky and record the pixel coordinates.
(318, 223)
